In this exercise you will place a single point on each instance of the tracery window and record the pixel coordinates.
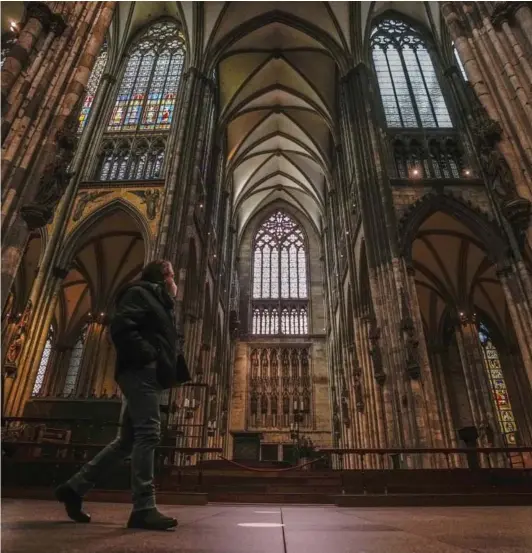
(148, 90)
(134, 144)
(43, 364)
(506, 419)
(92, 86)
(74, 364)
(140, 158)
(410, 92)
(280, 295)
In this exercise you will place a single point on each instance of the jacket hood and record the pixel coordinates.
(158, 290)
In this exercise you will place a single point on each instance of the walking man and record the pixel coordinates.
(148, 361)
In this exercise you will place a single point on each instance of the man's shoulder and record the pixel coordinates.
(137, 291)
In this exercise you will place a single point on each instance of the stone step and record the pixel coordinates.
(432, 500)
(278, 498)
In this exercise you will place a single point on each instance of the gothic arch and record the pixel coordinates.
(100, 214)
(216, 50)
(475, 220)
(376, 15)
(300, 217)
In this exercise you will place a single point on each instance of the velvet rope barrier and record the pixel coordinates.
(272, 470)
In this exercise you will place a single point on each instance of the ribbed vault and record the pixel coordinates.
(277, 108)
(452, 269)
(110, 254)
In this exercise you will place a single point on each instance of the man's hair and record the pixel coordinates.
(156, 271)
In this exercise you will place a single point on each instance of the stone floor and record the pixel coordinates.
(40, 527)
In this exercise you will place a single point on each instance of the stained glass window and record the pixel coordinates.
(43, 364)
(132, 160)
(280, 294)
(92, 86)
(409, 88)
(74, 364)
(499, 392)
(148, 90)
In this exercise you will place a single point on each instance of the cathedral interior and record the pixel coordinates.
(344, 191)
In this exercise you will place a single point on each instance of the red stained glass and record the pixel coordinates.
(92, 86)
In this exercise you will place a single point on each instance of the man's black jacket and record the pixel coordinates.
(143, 330)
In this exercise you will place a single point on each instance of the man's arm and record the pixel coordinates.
(131, 314)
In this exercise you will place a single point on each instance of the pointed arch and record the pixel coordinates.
(99, 215)
(280, 281)
(149, 85)
(476, 221)
(410, 91)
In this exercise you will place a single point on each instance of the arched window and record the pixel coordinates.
(409, 88)
(134, 144)
(499, 392)
(92, 86)
(280, 295)
(43, 365)
(74, 364)
(148, 89)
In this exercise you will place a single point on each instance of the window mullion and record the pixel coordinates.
(393, 87)
(131, 93)
(150, 80)
(410, 89)
(426, 88)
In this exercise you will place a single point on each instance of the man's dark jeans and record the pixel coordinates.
(138, 436)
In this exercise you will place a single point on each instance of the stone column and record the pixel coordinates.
(39, 17)
(395, 334)
(475, 373)
(91, 365)
(49, 162)
(520, 314)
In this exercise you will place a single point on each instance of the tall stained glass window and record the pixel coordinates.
(74, 364)
(280, 294)
(409, 88)
(134, 144)
(148, 90)
(43, 364)
(92, 86)
(499, 392)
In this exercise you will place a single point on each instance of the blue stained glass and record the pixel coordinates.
(148, 89)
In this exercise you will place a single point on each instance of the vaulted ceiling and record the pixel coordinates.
(277, 64)
(110, 255)
(452, 269)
